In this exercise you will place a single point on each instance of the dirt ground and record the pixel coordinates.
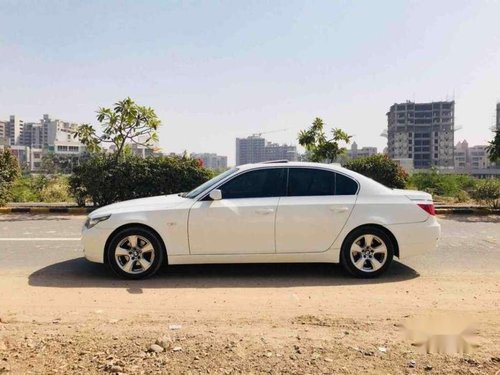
(68, 316)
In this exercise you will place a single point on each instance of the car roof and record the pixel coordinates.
(368, 185)
(284, 163)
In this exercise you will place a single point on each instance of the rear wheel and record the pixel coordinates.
(135, 253)
(367, 252)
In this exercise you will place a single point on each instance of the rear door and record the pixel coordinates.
(316, 208)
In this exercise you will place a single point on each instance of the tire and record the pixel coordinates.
(363, 259)
(135, 253)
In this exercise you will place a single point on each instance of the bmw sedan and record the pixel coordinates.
(264, 213)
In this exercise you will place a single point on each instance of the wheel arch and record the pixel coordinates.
(382, 228)
(135, 225)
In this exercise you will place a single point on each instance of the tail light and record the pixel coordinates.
(428, 207)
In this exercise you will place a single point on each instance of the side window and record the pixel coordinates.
(262, 183)
(345, 185)
(309, 182)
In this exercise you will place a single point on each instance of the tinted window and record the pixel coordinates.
(309, 182)
(345, 186)
(210, 183)
(256, 184)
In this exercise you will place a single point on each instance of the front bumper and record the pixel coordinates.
(416, 238)
(94, 243)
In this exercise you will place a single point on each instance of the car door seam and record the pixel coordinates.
(275, 218)
(187, 226)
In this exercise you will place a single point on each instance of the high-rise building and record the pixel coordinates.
(423, 132)
(55, 131)
(250, 150)
(275, 151)
(2, 130)
(212, 161)
(255, 149)
(14, 129)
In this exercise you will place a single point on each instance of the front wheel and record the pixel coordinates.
(367, 252)
(135, 253)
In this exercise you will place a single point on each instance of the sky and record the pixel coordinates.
(217, 70)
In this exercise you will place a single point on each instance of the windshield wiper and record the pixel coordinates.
(183, 195)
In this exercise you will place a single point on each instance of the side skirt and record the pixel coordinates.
(330, 256)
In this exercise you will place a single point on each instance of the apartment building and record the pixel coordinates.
(211, 160)
(29, 141)
(3, 137)
(461, 155)
(475, 157)
(14, 130)
(355, 152)
(255, 149)
(423, 132)
(250, 149)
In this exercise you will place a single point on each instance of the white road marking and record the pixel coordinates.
(41, 239)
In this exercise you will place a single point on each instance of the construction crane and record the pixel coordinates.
(270, 131)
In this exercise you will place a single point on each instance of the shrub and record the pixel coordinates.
(448, 185)
(462, 196)
(9, 171)
(103, 179)
(487, 192)
(381, 169)
(23, 190)
(40, 188)
(57, 190)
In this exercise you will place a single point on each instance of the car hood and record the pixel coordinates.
(161, 201)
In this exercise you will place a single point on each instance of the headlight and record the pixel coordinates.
(92, 221)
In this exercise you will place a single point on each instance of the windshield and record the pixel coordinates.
(210, 183)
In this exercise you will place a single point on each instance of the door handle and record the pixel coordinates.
(264, 211)
(339, 209)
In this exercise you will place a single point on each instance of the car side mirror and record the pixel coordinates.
(215, 195)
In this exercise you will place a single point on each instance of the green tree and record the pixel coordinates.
(126, 123)
(380, 168)
(9, 171)
(318, 146)
(55, 164)
(493, 148)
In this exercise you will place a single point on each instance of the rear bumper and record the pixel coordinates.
(416, 238)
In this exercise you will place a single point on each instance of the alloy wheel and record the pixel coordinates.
(134, 254)
(368, 253)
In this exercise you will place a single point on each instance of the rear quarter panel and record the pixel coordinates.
(383, 210)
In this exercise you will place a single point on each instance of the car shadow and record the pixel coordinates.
(79, 273)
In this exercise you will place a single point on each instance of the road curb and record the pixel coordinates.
(47, 210)
(479, 211)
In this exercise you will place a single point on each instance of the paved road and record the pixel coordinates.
(49, 244)
(48, 288)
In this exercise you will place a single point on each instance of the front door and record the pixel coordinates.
(315, 210)
(242, 222)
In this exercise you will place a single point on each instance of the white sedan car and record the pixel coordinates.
(266, 213)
